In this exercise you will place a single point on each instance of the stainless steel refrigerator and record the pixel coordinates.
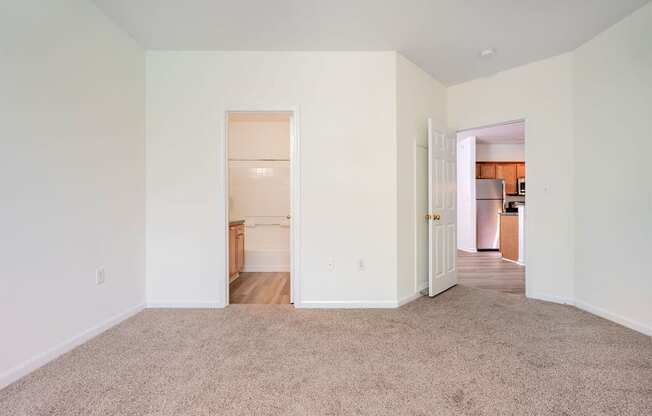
(489, 196)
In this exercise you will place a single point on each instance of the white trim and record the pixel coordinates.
(185, 304)
(410, 298)
(263, 268)
(415, 156)
(295, 208)
(355, 304)
(512, 261)
(415, 191)
(467, 250)
(486, 126)
(295, 178)
(550, 298)
(619, 319)
(21, 370)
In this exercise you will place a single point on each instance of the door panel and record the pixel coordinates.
(449, 178)
(442, 211)
(451, 252)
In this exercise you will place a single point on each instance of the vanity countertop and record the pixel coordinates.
(236, 222)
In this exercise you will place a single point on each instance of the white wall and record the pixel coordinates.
(72, 179)
(419, 96)
(540, 93)
(493, 152)
(347, 107)
(466, 205)
(613, 189)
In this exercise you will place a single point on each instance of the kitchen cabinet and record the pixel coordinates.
(236, 249)
(486, 170)
(509, 236)
(507, 172)
(520, 170)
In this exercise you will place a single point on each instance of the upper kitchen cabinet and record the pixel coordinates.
(507, 172)
(520, 170)
(486, 170)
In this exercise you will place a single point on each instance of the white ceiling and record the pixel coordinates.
(444, 37)
(513, 133)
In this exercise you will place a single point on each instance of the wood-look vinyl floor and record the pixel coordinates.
(261, 288)
(487, 270)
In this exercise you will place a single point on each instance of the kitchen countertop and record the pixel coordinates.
(236, 222)
(509, 213)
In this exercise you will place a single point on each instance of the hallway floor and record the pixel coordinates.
(487, 270)
(261, 288)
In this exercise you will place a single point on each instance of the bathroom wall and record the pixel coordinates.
(259, 187)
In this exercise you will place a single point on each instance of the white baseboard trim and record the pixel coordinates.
(619, 319)
(513, 261)
(410, 298)
(468, 250)
(21, 370)
(184, 304)
(335, 304)
(550, 298)
(262, 268)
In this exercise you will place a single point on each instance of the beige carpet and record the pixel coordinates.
(466, 352)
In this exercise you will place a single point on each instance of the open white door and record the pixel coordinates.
(442, 212)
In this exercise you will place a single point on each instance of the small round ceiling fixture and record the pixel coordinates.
(486, 53)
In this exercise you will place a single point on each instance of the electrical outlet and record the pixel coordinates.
(100, 276)
(361, 266)
(331, 264)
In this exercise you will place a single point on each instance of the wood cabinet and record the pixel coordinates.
(507, 171)
(239, 248)
(509, 237)
(236, 250)
(486, 170)
(520, 170)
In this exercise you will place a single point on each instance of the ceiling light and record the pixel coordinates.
(487, 53)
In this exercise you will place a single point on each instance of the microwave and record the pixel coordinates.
(521, 186)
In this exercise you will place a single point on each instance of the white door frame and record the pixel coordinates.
(419, 284)
(295, 191)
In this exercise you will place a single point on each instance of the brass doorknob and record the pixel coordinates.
(436, 217)
(287, 217)
(428, 216)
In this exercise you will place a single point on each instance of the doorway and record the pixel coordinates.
(261, 174)
(491, 207)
